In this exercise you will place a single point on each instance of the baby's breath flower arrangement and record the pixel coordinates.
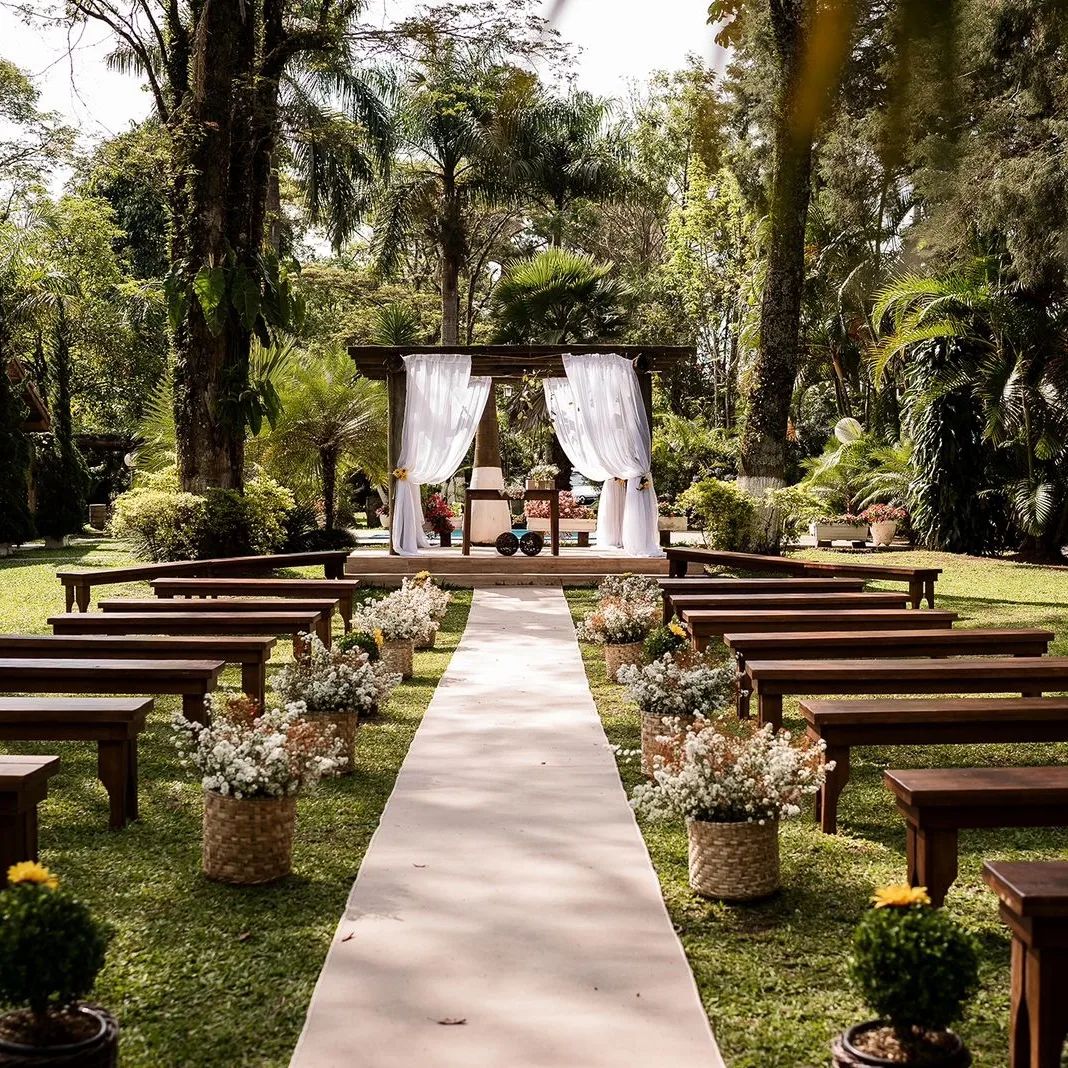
(403, 615)
(244, 755)
(672, 686)
(732, 786)
(616, 622)
(252, 767)
(638, 589)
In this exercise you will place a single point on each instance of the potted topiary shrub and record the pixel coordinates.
(916, 968)
(51, 949)
(252, 768)
(542, 477)
(675, 688)
(883, 520)
(732, 784)
(621, 626)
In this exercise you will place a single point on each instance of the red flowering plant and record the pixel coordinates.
(438, 514)
(569, 508)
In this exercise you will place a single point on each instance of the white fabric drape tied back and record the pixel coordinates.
(600, 422)
(442, 408)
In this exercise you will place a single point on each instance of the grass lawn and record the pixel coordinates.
(198, 973)
(773, 975)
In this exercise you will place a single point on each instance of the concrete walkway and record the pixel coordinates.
(506, 914)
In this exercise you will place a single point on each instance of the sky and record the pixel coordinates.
(620, 40)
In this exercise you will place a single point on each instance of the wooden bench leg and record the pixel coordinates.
(1039, 1024)
(323, 629)
(132, 808)
(193, 707)
(742, 687)
(583, 539)
(113, 769)
(344, 607)
(916, 592)
(68, 598)
(769, 709)
(928, 591)
(932, 860)
(254, 681)
(677, 569)
(827, 797)
(18, 838)
(81, 593)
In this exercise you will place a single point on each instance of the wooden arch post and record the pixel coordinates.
(396, 402)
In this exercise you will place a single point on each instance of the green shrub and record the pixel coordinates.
(165, 524)
(912, 964)
(162, 524)
(686, 450)
(359, 639)
(666, 638)
(724, 513)
(16, 523)
(51, 948)
(796, 507)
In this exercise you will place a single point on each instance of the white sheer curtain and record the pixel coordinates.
(441, 413)
(600, 421)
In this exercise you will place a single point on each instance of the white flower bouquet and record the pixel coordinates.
(437, 599)
(679, 687)
(244, 755)
(753, 775)
(334, 680)
(403, 615)
(637, 589)
(617, 622)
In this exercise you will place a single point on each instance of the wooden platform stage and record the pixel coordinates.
(486, 567)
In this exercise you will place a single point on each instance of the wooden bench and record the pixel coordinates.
(941, 721)
(23, 786)
(921, 580)
(189, 623)
(1033, 897)
(341, 590)
(846, 645)
(1031, 676)
(705, 625)
(800, 602)
(114, 723)
(251, 652)
(192, 680)
(324, 607)
(671, 586)
(78, 582)
(938, 803)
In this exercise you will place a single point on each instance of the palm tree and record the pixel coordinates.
(567, 152)
(331, 425)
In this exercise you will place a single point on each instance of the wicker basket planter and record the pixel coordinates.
(344, 724)
(248, 841)
(655, 751)
(427, 642)
(397, 656)
(734, 861)
(615, 656)
(100, 1050)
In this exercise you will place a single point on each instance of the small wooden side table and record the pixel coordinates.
(1034, 906)
(552, 496)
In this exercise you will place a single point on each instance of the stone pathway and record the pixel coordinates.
(506, 914)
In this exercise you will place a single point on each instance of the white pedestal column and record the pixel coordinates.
(488, 518)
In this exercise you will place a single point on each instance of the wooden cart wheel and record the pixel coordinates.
(531, 543)
(507, 544)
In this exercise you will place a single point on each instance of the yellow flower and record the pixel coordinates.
(900, 896)
(677, 629)
(29, 871)
(379, 637)
(421, 576)
(400, 473)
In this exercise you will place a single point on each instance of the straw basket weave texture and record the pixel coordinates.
(428, 641)
(656, 751)
(615, 656)
(734, 861)
(397, 656)
(344, 724)
(248, 841)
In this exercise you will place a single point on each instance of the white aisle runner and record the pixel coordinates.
(506, 914)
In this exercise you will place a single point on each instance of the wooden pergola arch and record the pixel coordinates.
(385, 363)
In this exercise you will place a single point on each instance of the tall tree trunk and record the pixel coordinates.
(328, 463)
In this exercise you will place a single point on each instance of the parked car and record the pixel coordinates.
(583, 490)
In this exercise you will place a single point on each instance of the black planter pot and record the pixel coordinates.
(99, 1051)
(846, 1054)
(445, 539)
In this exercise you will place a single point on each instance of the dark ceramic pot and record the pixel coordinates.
(100, 1050)
(846, 1054)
